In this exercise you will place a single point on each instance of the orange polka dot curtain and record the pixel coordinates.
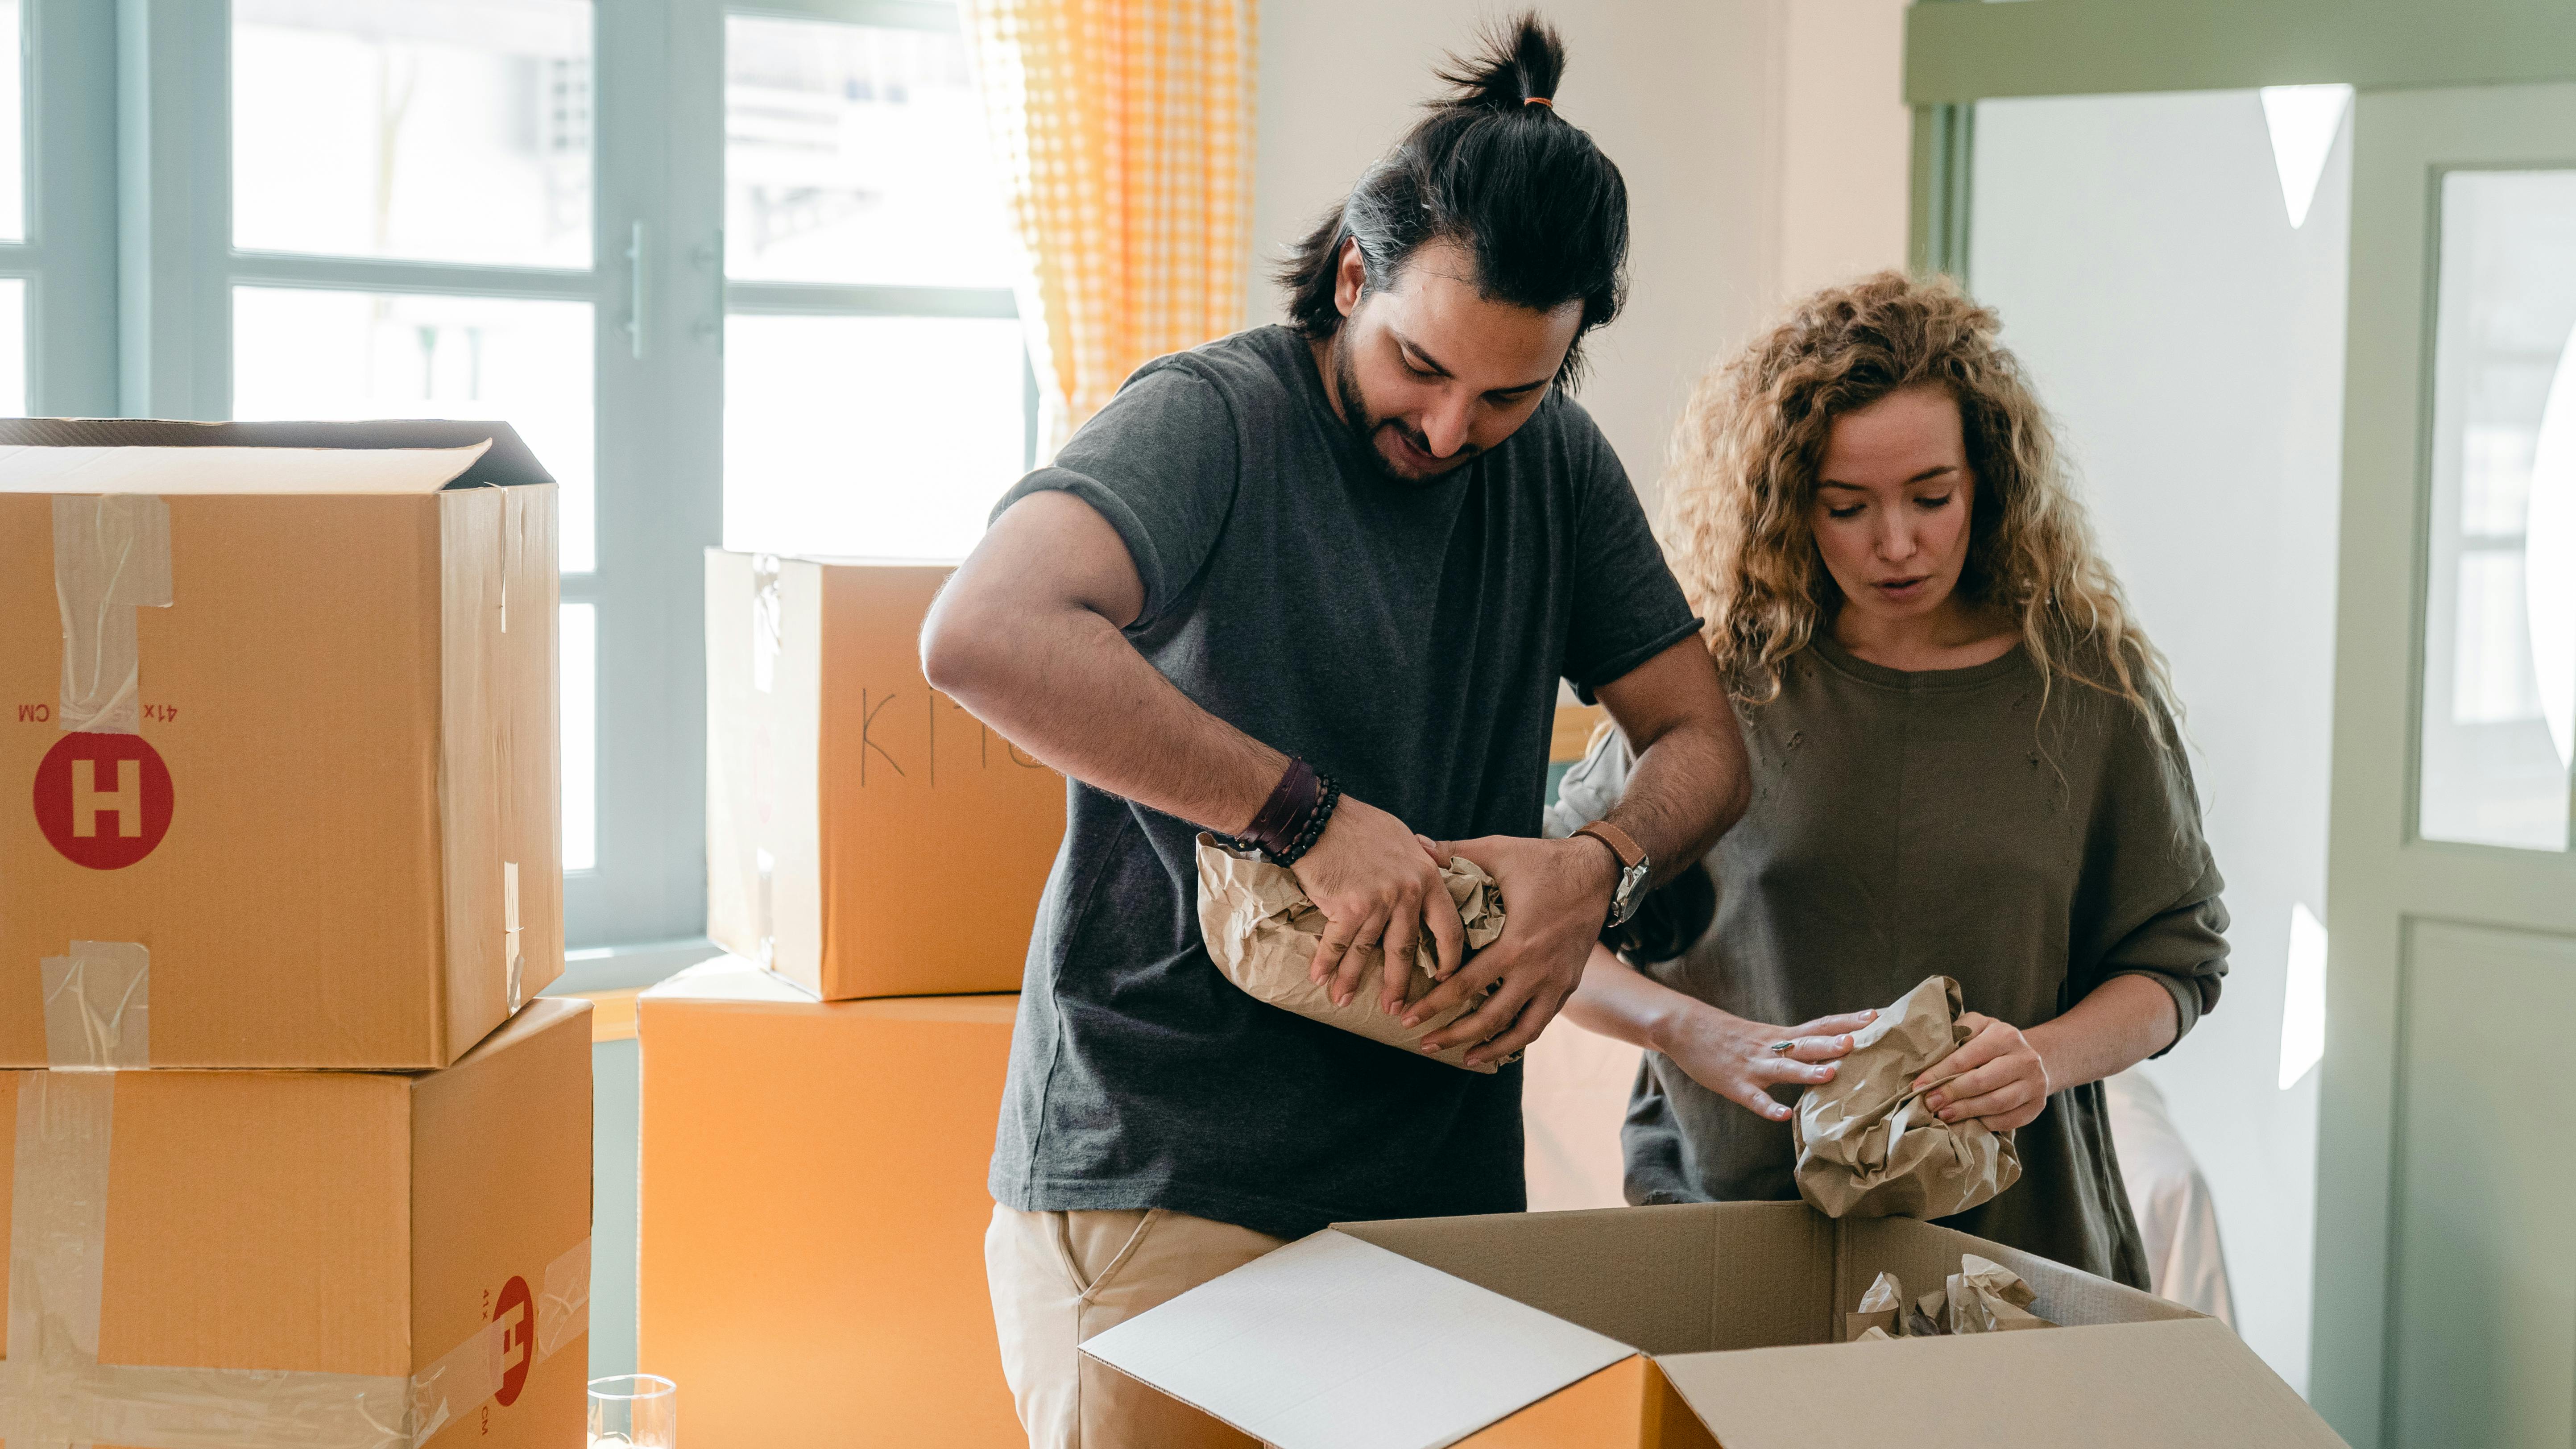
(1125, 127)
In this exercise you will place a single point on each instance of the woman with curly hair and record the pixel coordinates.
(1964, 763)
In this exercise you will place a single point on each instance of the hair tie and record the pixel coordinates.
(1538, 101)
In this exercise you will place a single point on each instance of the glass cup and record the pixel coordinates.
(634, 1411)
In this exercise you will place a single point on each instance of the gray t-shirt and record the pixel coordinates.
(1405, 638)
(1905, 825)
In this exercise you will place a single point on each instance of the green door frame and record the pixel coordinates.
(1957, 54)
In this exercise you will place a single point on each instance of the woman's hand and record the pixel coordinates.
(1734, 1058)
(1996, 1075)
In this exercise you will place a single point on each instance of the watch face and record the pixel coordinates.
(1630, 879)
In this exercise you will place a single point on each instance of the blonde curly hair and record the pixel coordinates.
(1740, 493)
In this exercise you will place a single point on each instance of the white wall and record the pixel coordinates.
(1845, 143)
(2190, 344)
(1678, 92)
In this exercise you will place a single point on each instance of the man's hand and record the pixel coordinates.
(1734, 1058)
(1996, 1075)
(1375, 882)
(1556, 894)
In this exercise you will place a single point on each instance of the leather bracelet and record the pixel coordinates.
(1291, 800)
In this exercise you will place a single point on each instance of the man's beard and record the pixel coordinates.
(1364, 429)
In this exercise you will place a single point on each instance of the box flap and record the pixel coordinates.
(1677, 1278)
(2188, 1381)
(186, 472)
(505, 462)
(1332, 1343)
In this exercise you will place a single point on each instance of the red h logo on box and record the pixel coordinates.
(103, 800)
(517, 1315)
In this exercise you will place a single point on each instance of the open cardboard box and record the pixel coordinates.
(866, 836)
(1679, 1328)
(284, 697)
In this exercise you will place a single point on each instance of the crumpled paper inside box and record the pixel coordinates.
(1261, 930)
(1984, 1296)
(1869, 1148)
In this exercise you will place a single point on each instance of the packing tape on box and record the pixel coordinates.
(514, 964)
(111, 557)
(768, 623)
(54, 1391)
(768, 642)
(480, 1367)
(98, 1005)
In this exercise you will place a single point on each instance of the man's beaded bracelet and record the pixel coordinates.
(1313, 828)
(1285, 842)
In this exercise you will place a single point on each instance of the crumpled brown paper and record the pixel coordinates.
(1984, 1296)
(1868, 1148)
(1261, 930)
(1987, 1297)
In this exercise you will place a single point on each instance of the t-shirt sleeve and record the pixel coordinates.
(1160, 462)
(2153, 894)
(1627, 606)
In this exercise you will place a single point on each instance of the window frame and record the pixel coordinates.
(131, 272)
(836, 299)
(658, 499)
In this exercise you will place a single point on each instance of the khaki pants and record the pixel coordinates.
(1059, 1278)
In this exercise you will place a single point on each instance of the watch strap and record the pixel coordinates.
(1631, 854)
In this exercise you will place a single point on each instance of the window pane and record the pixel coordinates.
(442, 130)
(316, 354)
(13, 347)
(2500, 614)
(578, 654)
(855, 153)
(13, 152)
(885, 437)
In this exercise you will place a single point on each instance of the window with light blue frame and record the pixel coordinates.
(740, 275)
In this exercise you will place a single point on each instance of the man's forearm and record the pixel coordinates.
(1687, 789)
(1067, 687)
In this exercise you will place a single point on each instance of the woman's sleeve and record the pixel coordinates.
(1592, 785)
(2151, 903)
(2182, 949)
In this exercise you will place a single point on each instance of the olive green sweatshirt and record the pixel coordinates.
(1913, 824)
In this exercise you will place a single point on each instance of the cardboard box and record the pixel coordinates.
(340, 1260)
(285, 696)
(866, 836)
(1680, 1328)
(813, 1214)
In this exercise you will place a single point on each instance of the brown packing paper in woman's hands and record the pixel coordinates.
(1262, 931)
(1869, 1148)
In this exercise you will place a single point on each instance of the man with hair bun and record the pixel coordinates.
(1313, 586)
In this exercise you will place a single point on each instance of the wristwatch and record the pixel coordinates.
(1633, 868)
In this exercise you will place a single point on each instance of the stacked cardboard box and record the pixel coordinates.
(813, 1213)
(285, 1160)
(882, 853)
(865, 835)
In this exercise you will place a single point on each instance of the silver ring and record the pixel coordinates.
(1783, 1048)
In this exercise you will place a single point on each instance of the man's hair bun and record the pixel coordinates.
(1522, 191)
(1513, 64)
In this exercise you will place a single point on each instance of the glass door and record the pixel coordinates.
(2446, 1302)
